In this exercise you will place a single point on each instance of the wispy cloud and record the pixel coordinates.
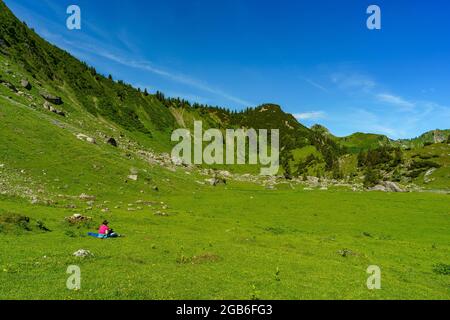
(315, 84)
(149, 67)
(353, 81)
(395, 100)
(87, 44)
(312, 115)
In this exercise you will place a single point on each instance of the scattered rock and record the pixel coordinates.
(111, 141)
(85, 196)
(26, 84)
(346, 252)
(47, 105)
(77, 218)
(427, 175)
(224, 174)
(86, 138)
(313, 181)
(9, 85)
(82, 253)
(91, 140)
(177, 161)
(133, 177)
(216, 181)
(50, 108)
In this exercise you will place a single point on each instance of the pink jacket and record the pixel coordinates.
(103, 228)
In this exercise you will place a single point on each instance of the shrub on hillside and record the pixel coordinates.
(442, 269)
(424, 165)
(371, 177)
(11, 222)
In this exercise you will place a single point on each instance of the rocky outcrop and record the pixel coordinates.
(86, 138)
(426, 177)
(392, 186)
(378, 187)
(51, 98)
(387, 186)
(439, 136)
(50, 108)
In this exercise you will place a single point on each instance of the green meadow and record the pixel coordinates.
(235, 242)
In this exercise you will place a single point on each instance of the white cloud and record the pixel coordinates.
(395, 100)
(313, 115)
(177, 77)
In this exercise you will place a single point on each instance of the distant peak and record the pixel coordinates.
(269, 107)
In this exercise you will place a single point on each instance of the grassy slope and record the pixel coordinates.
(439, 153)
(363, 141)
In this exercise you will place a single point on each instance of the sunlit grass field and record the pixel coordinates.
(236, 242)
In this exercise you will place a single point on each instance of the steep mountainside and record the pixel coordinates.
(56, 86)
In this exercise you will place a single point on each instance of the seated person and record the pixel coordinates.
(106, 232)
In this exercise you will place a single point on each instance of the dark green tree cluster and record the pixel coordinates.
(384, 157)
(375, 161)
(330, 150)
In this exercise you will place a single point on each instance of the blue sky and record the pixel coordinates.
(316, 58)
